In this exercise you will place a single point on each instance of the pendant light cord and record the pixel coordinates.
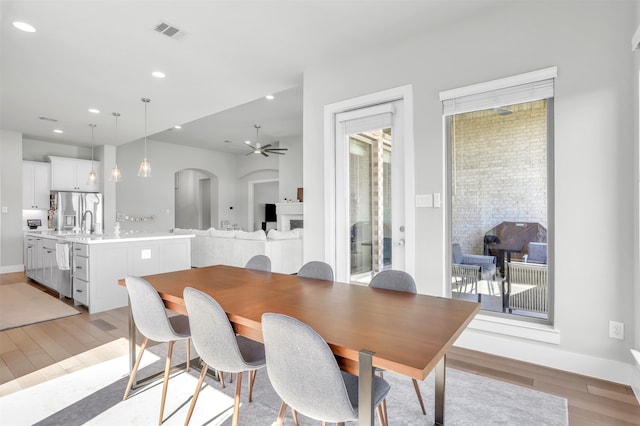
(146, 101)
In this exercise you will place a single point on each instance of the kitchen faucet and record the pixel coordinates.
(84, 221)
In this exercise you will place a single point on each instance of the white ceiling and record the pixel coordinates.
(100, 54)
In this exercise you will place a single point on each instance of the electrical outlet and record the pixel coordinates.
(616, 330)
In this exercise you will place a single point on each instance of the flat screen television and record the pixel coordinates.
(270, 213)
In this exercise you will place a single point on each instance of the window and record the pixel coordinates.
(500, 175)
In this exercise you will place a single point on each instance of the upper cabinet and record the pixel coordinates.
(72, 174)
(35, 185)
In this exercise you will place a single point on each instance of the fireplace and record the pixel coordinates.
(290, 216)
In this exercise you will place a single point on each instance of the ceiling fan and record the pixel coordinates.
(264, 150)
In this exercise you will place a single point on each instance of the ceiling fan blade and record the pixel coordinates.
(275, 152)
(266, 146)
(276, 149)
(264, 153)
(249, 153)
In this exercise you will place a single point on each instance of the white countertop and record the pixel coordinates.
(105, 238)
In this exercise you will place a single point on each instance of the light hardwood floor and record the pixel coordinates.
(33, 354)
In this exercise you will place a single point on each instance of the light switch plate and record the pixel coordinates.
(145, 254)
(436, 199)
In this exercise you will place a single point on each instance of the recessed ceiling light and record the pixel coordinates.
(24, 27)
(177, 126)
(94, 110)
(158, 74)
(58, 131)
(270, 97)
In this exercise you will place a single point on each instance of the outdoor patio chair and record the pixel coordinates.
(536, 253)
(464, 279)
(526, 287)
(487, 264)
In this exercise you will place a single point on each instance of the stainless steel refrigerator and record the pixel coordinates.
(78, 211)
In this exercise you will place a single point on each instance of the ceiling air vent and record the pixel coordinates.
(170, 31)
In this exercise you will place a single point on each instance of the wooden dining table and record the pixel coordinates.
(405, 333)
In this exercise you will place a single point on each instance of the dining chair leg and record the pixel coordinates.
(381, 417)
(132, 377)
(167, 370)
(252, 378)
(236, 403)
(294, 413)
(188, 354)
(283, 409)
(419, 395)
(203, 373)
(221, 377)
(383, 404)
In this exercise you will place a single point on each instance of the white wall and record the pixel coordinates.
(35, 150)
(264, 193)
(242, 204)
(138, 196)
(188, 199)
(11, 197)
(594, 146)
(636, 91)
(290, 169)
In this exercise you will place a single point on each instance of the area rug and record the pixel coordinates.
(93, 396)
(22, 304)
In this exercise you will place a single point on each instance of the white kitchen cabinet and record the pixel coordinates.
(36, 186)
(30, 256)
(72, 174)
(38, 269)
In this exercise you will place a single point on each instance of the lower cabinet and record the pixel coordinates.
(81, 291)
(99, 266)
(30, 256)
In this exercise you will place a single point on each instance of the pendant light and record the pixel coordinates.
(145, 167)
(92, 173)
(116, 175)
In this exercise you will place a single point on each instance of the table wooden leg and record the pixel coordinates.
(365, 388)
(439, 391)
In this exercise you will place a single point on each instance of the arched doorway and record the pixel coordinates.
(196, 199)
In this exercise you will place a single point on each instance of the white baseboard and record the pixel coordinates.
(11, 268)
(636, 358)
(551, 356)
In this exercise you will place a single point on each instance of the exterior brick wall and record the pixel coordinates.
(498, 171)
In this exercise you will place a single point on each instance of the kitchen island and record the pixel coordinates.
(96, 262)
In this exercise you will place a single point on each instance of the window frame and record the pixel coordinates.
(504, 322)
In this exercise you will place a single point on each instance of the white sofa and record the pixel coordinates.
(235, 248)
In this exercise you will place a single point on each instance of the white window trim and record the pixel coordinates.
(501, 83)
(404, 93)
(516, 328)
